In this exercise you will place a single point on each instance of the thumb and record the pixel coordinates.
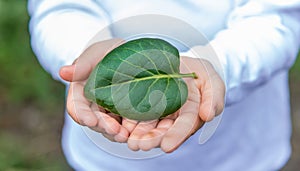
(212, 98)
(86, 62)
(67, 72)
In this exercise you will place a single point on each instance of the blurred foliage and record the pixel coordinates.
(295, 70)
(31, 103)
(22, 78)
(14, 156)
(26, 90)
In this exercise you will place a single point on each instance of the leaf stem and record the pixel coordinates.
(194, 75)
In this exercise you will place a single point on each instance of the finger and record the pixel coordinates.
(122, 136)
(109, 137)
(141, 129)
(66, 72)
(219, 95)
(129, 124)
(109, 124)
(115, 116)
(184, 126)
(91, 56)
(153, 138)
(212, 98)
(187, 122)
(172, 116)
(79, 108)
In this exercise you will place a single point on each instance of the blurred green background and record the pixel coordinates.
(32, 103)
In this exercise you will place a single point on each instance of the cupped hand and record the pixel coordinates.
(79, 108)
(205, 101)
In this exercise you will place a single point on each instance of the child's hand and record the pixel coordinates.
(83, 111)
(205, 101)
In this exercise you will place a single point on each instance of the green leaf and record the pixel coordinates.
(139, 80)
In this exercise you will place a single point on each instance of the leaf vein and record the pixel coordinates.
(163, 52)
(159, 76)
(149, 58)
(147, 92)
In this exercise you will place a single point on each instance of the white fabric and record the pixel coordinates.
(256, 42)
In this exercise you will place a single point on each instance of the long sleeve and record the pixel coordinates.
(261, 39)
(256, 41)
(60, 30)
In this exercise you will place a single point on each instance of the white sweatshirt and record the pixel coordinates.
(255, 41)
